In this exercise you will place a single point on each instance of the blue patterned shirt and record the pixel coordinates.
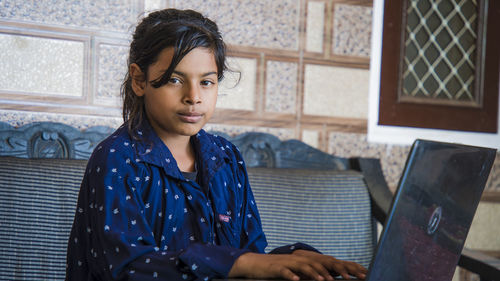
(139, 218)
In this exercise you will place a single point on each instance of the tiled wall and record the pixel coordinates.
(303, 63)
(304, 68)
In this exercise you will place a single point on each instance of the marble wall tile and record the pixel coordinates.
(111, 15)
(257, 23)
(493, 183)
(485, 228)
(393, 163)
(152, 5)
(232, 130)
(315, 27)
(52, 67)
(352, 145)
(281, 87)
(336, 91)
(19, 118)
(234, 94)
(392, 157)
(110, 73)
(352, 30)
(311, 137)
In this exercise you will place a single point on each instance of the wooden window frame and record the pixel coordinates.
(395, 113)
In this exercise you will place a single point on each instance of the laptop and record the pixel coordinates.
(431, 212)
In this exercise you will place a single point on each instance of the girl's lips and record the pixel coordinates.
(190, 117)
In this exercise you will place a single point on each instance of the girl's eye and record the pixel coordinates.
(174, 80)
(207, 83)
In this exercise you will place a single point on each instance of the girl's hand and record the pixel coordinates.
(344, 268)
(301, 263)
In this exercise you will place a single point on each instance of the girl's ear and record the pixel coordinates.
(138, 79)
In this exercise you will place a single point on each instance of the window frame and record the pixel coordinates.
(404, 134)
(448, 117)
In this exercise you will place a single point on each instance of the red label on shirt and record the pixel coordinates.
(224, 218)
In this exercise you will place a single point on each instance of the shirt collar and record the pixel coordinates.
(210, 153)
(151, 149)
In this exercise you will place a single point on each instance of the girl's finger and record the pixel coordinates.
(340, 269)
(322, 271)
(288, 274)
(311, 272)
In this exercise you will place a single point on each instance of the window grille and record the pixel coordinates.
(442, 53)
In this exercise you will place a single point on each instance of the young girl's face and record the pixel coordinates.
(185, 104)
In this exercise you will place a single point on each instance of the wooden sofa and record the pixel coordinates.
(303, 195)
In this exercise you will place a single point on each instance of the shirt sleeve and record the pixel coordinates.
(111, 238)
(288, 249)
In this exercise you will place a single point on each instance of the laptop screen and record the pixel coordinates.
(432, 211)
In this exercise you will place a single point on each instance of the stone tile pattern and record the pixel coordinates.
(82, 122)
(238, 88)
(478, 238)
(311, 138)
(111, 71)
(336, 91)
(41, 65)
(352, 30)
(352, 145)
(152, 5)
(111, 15)
(257, 23)
(281, 87)
(233, 130)
(315, 27)
(493, 183)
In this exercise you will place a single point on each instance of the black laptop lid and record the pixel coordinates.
(432, 211)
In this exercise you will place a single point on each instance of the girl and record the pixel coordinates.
(163, 199)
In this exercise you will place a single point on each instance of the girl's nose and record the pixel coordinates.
(192, 95)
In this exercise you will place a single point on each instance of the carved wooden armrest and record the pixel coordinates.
(50, 140)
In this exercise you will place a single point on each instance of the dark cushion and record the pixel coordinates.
(37, 204)
(329, 210)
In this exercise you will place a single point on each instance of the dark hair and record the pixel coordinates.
(183, 30)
